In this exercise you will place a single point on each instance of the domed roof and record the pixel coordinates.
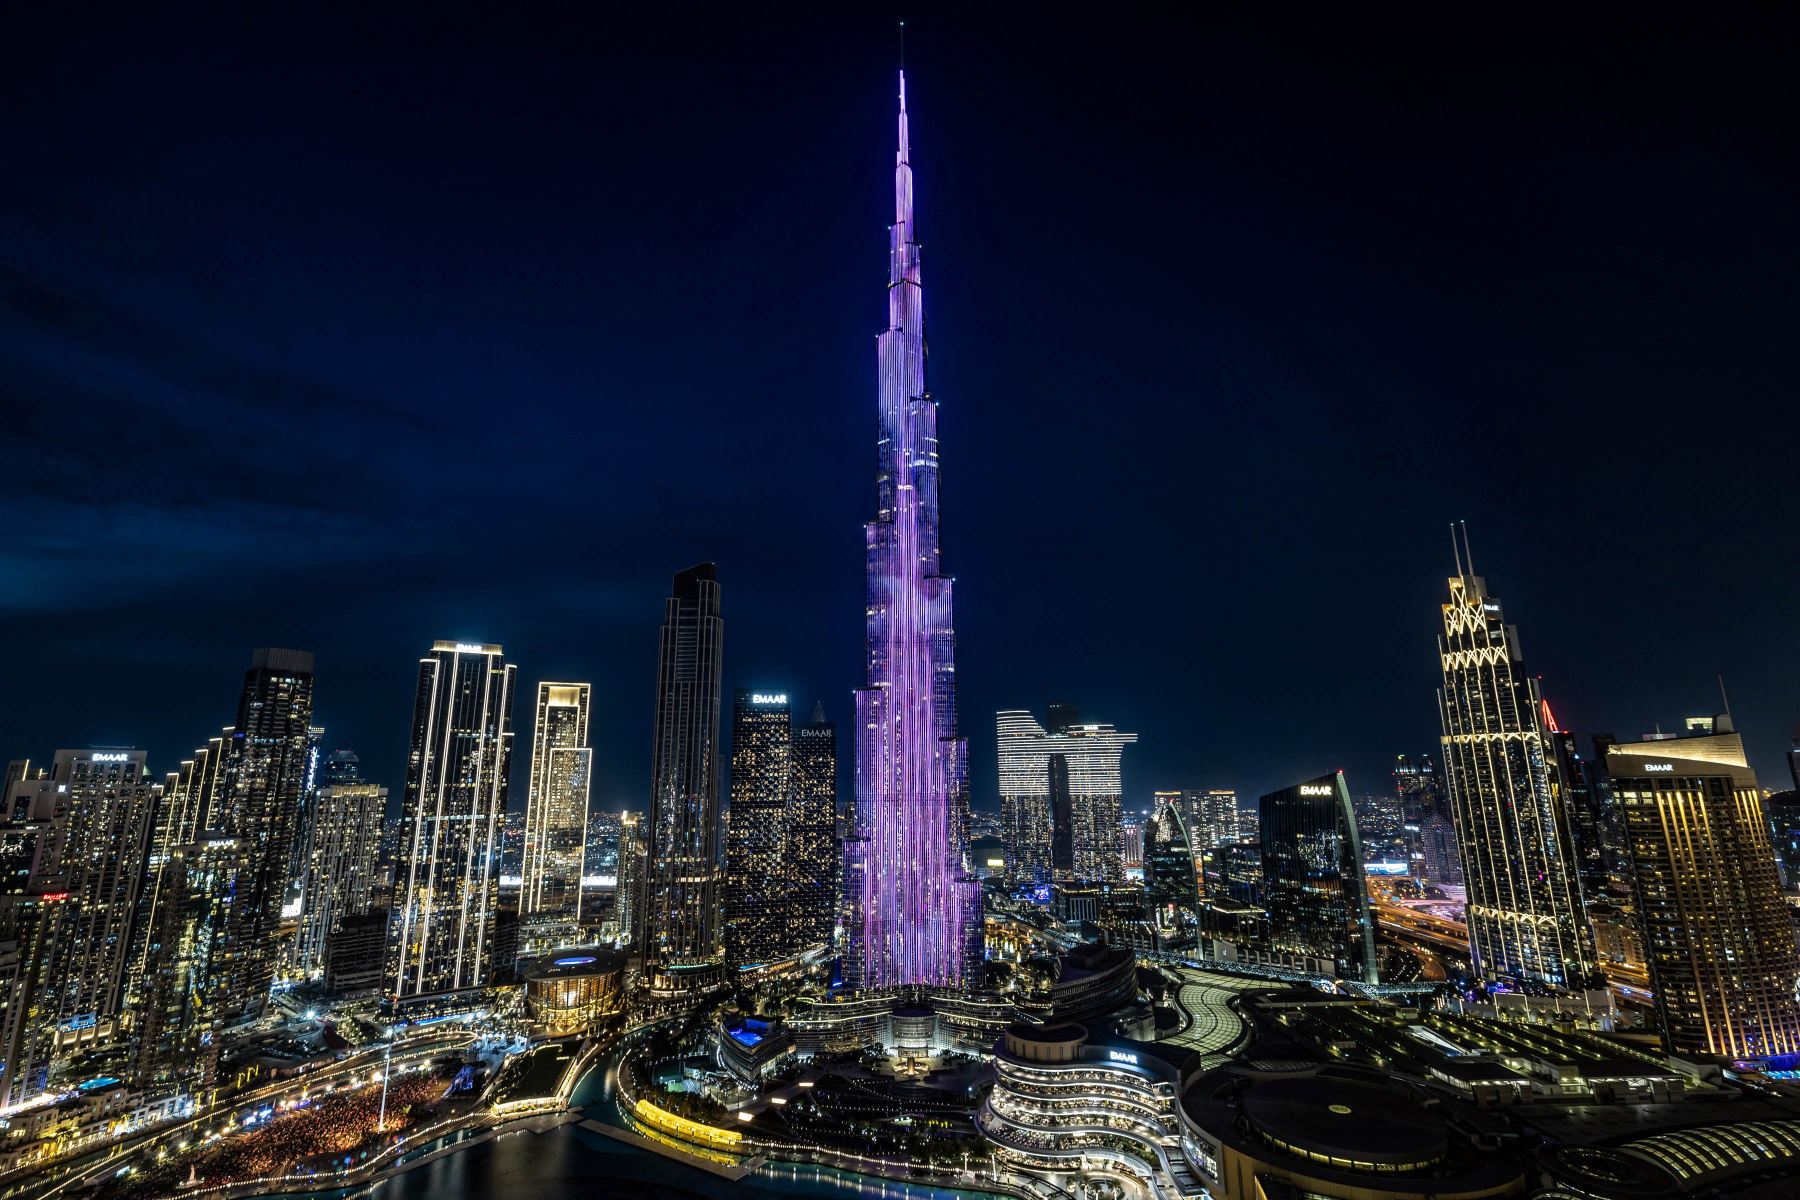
(1345, 1118)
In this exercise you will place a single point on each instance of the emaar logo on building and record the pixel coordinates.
(768, 697)
(1122, 1056)
(1315, 789)
(1660, 767)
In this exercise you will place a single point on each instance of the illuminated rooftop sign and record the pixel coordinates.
(768, 697)
(1122, 1056)
(1315, 789)
(108, 757)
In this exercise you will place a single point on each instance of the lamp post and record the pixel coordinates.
(387, 1069)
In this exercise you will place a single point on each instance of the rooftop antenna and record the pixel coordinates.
(903, 45)
(1456, 550)
(1468, 554)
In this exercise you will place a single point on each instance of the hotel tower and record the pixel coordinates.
(447, 884)
(915, 910)
(1524, 908)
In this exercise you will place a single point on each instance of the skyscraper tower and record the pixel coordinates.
(93, 862)
(917, 914)
(756, 842)
(1313, 876)
(342, 844)
(556, 816)
(1716, 930)
(1524, 906)
(678, 919)
(812, 832)
(447, 884)
(1060, 795)
(267, 761)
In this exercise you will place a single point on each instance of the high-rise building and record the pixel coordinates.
(1784, 836)
(343, 846)
(1171, 885)
(30, 918)
(187, 993)
(629, 892)
(78, 853)
(1524, 905)
(812, 846)
(341, 767)
(447, 884)
(188, 803)
(259, 803)
(1586, 806)
(1419, 786)
(1720, 946)
(917, 909)
(1060, 796)
(1210, 815)
(1438, 854)
(1132, 831)
(556, 818)
(1312, 877)
(300, 841)
(757, 886)
(678, 918)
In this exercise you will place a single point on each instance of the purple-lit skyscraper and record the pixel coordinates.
(915, 915)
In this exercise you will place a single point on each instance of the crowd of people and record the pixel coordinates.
(313, 1137)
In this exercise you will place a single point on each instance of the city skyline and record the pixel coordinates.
(1222, 340)
(96, 302)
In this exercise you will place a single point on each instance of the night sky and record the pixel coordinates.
(349, 334)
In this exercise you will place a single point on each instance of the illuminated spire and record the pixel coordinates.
(916, 915)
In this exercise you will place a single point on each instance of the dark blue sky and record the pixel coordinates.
(351, 333)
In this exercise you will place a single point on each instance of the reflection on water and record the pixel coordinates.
(568, 1163)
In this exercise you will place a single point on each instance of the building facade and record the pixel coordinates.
(757, 883)
(677, 917)
(812, 843)
(1171, 884)
(341, 857)
(1312, 877)
(1720, 945)
(259, 803)
(77, 850)
(556, 817)
(1060, 796)
(1211, 816)
(187, 990)
(1524, 903)
(447, 882)
(916, 915)
(629, 891)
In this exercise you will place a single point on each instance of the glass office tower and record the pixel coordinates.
(1312, 880)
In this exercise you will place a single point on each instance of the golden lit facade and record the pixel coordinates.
(572, 991)
(1720, 946)
(556, 813)
(1524, 908)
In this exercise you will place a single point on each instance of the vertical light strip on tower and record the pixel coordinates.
(916, 909)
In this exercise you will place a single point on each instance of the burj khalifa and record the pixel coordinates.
(914, 910)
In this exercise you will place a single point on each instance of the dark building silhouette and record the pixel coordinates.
(678, 917)
(1312, 881)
